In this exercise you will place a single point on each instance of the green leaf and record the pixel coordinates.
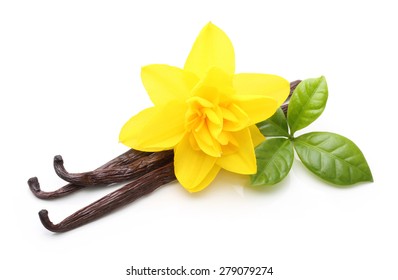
(307, 103)
(275, 125)
(333, 157)
(274, 160)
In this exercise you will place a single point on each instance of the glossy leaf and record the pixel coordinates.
(274, 126)
(333, 157)
(307, 103)
(274, 160)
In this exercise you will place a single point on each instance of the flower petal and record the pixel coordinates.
(193, 168)
(257, 136)
(257, 108)
(217, 82)
(235, 118)
(207, 180)
(206, 142)
(165, 83)
(243, 161)
(262, 84)
(212, 48)
(155, 129)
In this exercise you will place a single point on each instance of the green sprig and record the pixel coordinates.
(332, 157)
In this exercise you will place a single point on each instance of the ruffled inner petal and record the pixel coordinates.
(243, 159)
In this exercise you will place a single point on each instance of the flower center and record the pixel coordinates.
(204, 121)
(209, 121)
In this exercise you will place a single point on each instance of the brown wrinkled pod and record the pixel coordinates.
(147, 171)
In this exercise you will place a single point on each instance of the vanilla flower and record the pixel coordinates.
(205, 112)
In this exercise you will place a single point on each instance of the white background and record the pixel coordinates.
(70, 78)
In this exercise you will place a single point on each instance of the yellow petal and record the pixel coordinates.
(235, 118)
(155, 129)
(230, 145)
(194, 169)
(262, 84)
(130, 132)
(257, 136)
(243, 161)
(257, 108)
(206, 142)
(165, 83)
(215, 85)
(207, 180)
(212, 48)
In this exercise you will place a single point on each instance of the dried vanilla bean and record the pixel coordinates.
(34, 187)
(123, 196)
(118, 162)
(103, 174)
(127, 172)
(147, 170)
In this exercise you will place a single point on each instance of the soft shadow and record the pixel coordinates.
(228, 183)
(271, 189)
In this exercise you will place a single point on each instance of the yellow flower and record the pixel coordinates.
(205, 112)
